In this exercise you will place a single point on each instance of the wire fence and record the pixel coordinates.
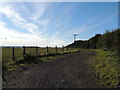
(13, 53)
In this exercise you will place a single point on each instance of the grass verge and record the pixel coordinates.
(30, 59)
(106, 66)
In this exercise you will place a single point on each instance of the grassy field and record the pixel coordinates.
(7, 52)
(106, 66)
(7, 57)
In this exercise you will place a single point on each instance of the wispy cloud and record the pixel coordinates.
(64, 16)
(93, 22)
(45, 15)
(40, 14)
(63, 22)
(11, 13)
(34, 36)
(46, 23)
(17, 38)
(17, 19)
(39, 10)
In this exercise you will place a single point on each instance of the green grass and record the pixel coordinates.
(106, 66)
(31, 56)
(7, 52)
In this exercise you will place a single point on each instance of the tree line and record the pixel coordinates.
(110, 40)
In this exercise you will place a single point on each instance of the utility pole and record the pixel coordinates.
(74, 36)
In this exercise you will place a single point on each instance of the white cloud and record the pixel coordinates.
(40, 24)
(44, 22)
(42, 15)
(11, 13)
(16, 38)
(34, 36)
(18, 20)
(30, 27)
(39, 10)
(11, 33)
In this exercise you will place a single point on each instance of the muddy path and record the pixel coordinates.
(70, 71)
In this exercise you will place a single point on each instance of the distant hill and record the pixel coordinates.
(86, 44)
(110, 40)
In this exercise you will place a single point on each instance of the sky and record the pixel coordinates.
(54, 23)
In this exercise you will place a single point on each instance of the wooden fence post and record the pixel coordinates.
(36, 50)
(13, 53)
(47, 49)
(56, 49)
(63, 48)
(67, 48)
(39, 49)
(24, 50)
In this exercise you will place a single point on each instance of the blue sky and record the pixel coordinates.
(53, 23)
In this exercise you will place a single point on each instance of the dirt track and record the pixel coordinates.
(70, 71)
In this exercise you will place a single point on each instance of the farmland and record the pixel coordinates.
(7, 53)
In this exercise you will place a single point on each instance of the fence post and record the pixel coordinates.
(63, 48)
(36, 50)
(56, 49)
(13, 53)
(39, 49)
(67, 48)
(24, 50)
(47, 49)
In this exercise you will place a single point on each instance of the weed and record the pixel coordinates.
(105, 65)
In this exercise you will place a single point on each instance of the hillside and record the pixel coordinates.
(110, 40)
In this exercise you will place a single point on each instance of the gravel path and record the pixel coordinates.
(70, 71)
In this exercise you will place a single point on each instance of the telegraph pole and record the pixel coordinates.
(74, 36)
